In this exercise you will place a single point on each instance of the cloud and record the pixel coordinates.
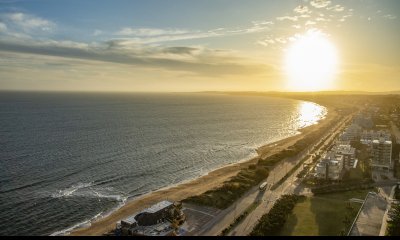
(320, 3)
(336, 8)
(308, 23)
(27, 22)
(281, 40)
(155, 35)
(321, 19)
(302, 9)
(266, 42)
(259, 26)
(290, 18)
(149, 32)
(97, 32)
(198, 60)
(3, 27)
(389, 16)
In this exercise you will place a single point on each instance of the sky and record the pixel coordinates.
(191, 45)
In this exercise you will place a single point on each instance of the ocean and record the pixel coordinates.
(67, 159)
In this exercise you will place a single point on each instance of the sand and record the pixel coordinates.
(196, 186)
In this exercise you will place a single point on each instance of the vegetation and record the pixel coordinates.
(271, 223)
(325, 215)
(343, 187)
(393, 228)
(232, 189)
(351, 213)
(294, 150)
(395, 154)
(237, 186)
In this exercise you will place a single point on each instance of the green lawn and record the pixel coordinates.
(322, 215)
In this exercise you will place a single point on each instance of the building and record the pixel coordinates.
(368, 136)
(364, 121)
(381, 154)
(155, 214)
(351, 133)
(330, 167)
(348, 153)
(153, 221)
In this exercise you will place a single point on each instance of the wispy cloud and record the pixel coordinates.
(3, 27)
(308, 23)
(198, 60)
(27, 22)
(302, 9)
(290, 18)
(337, 8)
(156, 35)
(320, 3)
(390, 16)
(97, 32)
(149, 32)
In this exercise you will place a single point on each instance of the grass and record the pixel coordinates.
(322, 215)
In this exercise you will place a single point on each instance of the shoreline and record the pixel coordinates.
(197, 185)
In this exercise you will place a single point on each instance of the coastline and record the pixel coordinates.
(198, 185)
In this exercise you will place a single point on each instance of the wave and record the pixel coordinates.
(89, 190)
(69, 191)
(85, 223)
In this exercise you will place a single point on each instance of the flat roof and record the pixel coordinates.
(130, 219)
(384, 142)
(158, 206)
(153, 209)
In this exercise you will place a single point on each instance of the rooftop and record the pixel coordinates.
(161, 229)
(130, 219)
(382, 141)
(158, 206)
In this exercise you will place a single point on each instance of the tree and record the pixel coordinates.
(394, 222)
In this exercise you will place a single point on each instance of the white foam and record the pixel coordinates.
(88, 192)
(85, 223)
(71, 190)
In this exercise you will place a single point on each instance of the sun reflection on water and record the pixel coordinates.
(310, 113)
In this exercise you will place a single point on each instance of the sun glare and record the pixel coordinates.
(311, 63)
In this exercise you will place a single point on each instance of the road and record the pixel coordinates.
(227, 216)
(290, 186)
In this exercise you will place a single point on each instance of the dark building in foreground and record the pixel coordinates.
(153, 221)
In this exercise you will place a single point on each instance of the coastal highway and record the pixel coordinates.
(290, 186)
(268, 198)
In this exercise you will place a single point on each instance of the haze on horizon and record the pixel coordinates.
(208, 45)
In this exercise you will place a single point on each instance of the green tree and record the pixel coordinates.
(394, 222)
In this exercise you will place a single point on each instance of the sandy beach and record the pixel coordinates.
(196, 186)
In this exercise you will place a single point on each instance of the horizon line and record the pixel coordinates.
(205, 91)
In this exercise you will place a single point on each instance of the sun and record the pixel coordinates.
(311, 63)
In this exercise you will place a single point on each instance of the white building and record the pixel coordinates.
(348, 153)
(382, 154)
(330, 167)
